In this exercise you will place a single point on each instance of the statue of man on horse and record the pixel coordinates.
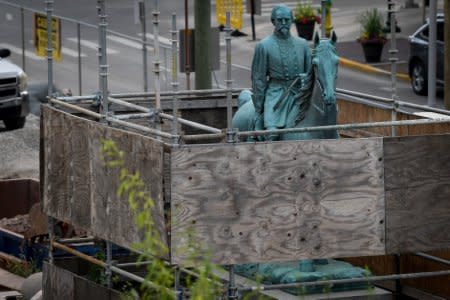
(291, 86)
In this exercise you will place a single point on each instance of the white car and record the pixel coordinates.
(14, 103)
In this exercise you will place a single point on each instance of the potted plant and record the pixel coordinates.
(305, 18)
(372, 37)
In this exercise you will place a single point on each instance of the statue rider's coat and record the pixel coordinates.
(276, 64)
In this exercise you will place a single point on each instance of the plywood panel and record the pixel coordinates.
(57, 166)
(417, 180)
(57, 283)
(279, 201)
(83, 191)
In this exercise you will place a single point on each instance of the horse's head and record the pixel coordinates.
(325, 63)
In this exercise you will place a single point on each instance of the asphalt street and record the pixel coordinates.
(125, 55)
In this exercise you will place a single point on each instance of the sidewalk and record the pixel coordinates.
(352, 56)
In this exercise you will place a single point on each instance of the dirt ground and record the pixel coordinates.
(19, 150)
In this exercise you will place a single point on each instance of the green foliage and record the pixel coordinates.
(22, 269)
(371, 22)
(305, 13)
(160, 276)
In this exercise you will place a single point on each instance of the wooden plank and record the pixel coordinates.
(79, 180)
(57, 283)
(279, 201)
(417, 181)
(86, 195)
(10, 280)
(56, 193)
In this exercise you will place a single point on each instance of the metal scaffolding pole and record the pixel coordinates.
(432, 54)
(229, 81)
(103, 63)
(174, 78)
(393, 51)
(22, 34)
(80, 89)
(156, 62)
(49, 10)
(143, 19)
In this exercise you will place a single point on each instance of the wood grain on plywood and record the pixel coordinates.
(279, 201)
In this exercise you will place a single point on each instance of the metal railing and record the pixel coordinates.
(229, 136)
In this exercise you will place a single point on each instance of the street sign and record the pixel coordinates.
(235, 7)
(40, 36)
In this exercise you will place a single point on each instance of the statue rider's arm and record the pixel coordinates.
(259, 83)
(307, 58)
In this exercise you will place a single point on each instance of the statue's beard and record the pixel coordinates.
(283, 31)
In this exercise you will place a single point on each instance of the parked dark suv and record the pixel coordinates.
(418, 61)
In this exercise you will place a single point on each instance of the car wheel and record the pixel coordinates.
(14, 123)
(418, 81)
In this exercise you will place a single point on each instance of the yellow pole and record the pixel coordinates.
(328, 26)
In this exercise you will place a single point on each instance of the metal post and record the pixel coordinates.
(187, 62)
(324, 15)
(177, 286)
(393, 51)
(156, 62)
(103, 59)
(252, 11)
(143, 18)
(49, 10)
(108, 265)
(432, 54)
(232, 289)
(51, 237)
(22, 22)
(202, 44)
(229, 81)
(174, 78)
(80, 89)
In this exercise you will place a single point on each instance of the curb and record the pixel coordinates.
(348, 63)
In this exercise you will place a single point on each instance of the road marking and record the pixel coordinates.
(70, 52)
(161, 39)
(127, 42)
(18, 51)
(92, 45)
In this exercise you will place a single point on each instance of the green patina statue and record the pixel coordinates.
(292, 88)
(278, 63)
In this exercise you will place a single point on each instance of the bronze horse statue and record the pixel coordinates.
(316, 98)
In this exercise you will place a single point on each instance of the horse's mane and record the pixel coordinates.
(305, 93)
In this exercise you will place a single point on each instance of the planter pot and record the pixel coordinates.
(373, 50)
(305, 30)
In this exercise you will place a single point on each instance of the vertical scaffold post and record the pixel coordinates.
(432, 54)
(103, 66)
(80, 89)
(232, 289)
(156, 62)
(51, 237)
(49, 10)
(229, 81)
(143, 19)
(22, 33)
(108, 265)
(177, 286)
(393, 59)
(174, 79)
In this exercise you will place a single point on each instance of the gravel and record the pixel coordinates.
(19, 150)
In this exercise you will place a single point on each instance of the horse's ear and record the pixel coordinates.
(316, 39)
(333, 38)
